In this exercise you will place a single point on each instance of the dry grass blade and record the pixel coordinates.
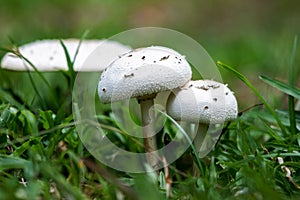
(287, 172)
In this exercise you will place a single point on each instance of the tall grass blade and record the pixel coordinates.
(9, 98)
(32, 81)
(78, 47)
(17, 53)
(9, 162)
(284, 87)
(71, 72)
(288, 88)
(291, 83)
(44, 106)
(249, 84)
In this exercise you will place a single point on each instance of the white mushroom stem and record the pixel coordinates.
(200, 135)
(198, 141)
(148, 123)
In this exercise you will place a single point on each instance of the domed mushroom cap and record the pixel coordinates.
(143, 72)
(48, 55)
(203, 101)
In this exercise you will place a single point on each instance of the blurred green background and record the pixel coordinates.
(253, 36)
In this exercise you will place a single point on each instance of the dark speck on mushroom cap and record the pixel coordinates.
(204, 101)
(143, 71)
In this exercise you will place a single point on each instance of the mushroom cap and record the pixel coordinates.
(142, 72)
(203, 101)
(48, 55)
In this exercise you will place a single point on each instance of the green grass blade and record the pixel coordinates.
(64, 186)
(6, 96)
(284, 87)
(291, 83)
(71, 72)
(68, 58)
(6, 50)
(44, 106)
(32, 81)
(78, 47)
(9, 162)
(292, 62)
(249, 84)
(17, 53)
(198, 162)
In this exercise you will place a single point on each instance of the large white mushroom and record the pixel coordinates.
(49, 55)
(142, 73)
(202, 102)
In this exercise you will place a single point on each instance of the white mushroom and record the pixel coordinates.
(142, 73)
(202, 102)
(48, 55)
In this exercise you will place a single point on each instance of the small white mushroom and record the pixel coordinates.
(202, 102)
(48, 55)
(142, 73)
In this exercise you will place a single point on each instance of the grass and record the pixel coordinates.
(42, 157)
